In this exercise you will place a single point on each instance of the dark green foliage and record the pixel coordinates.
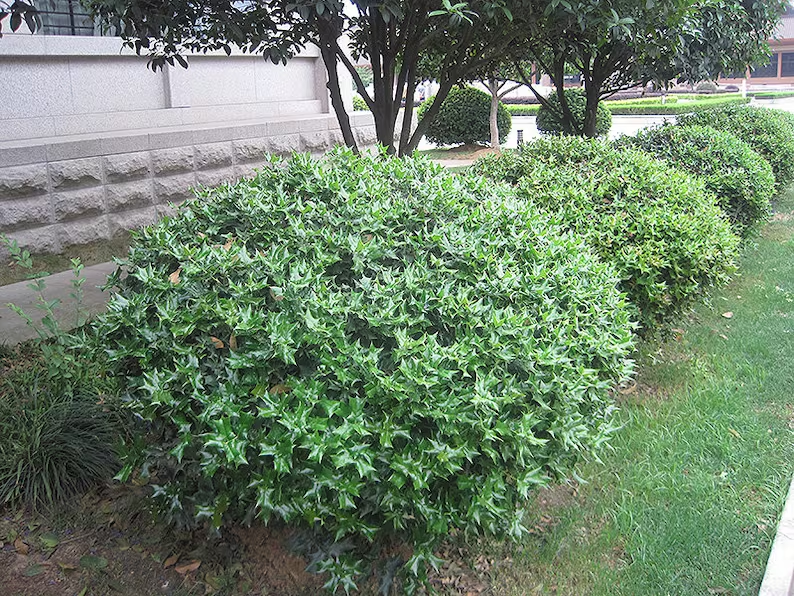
(548, 120)
(370, 345)
(658, 226)
(359, 105)
(464, 117)
(769, 132)
(57, 436)
(741, 179)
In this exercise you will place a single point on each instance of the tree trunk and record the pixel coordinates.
(427, 118)
(493, 87)
(328, 53)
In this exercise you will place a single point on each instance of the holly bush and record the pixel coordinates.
(657, 225)
(769, 132)
(465, 117)
(548, 121)
(371, 346)
(741, 179)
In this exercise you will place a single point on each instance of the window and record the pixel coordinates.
(66, 17)
(787, 65)
(768, 70)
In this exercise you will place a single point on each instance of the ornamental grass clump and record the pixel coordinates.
(657, 225)
(741, 179)
(368, 346)
(769, 132)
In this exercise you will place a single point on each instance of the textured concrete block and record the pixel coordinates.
(85, 202)
(68, 150)
(167, 210)
(126, 166)
(119, 223)
(83, 231)
(217, 155)
(130, 195)
(215, 177)
(27, 154)
(169, 161)
(285, 145)
(251, 150)
(25, 213)
(174, 188)
(39, 240)
(365, 135)
(75, 172)
(246, 171)
(21, 181)
(315, 141)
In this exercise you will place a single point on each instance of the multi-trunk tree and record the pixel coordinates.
(620, 44)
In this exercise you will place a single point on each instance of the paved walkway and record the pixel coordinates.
(14, 330)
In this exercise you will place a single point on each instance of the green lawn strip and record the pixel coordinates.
(647, 106)
(770, 94)
(688, 501)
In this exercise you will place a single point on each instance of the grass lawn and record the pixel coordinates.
(674, 104)
(686, 502)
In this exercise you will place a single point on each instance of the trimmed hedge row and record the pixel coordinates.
(649, 107)
(657, 225)
(769, 132)
(741, 179)
(372, 346)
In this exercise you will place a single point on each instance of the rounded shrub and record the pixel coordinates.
(465, 117)
(741, 179)
(369, 345)
(359, 105)
(548, 121)
(769, 132)
(662, 231)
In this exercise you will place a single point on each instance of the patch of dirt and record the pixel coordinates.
(89, 254)
(782, 217)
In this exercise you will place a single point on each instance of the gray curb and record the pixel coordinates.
(779, 575)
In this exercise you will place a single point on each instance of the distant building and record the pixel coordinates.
(779, 70)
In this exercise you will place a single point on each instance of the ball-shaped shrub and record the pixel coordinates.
(370, 345)
(465, 117)
(359, 105)
(741, 179)
(769, 132)
(549, 122)
(659, 227)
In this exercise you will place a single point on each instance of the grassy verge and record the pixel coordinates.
(649, 106)
(688, 501)
(770, 94)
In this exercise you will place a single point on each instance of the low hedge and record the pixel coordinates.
(548, 121)
(659, 227)
(769, 132)
(741, 179)
(359, 105)
(650, 107)
(465, 118)
(367, 345)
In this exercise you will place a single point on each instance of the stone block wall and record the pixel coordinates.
(95, 191)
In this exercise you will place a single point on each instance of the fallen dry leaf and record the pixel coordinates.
(216, 342)
(735, 433)
(723, 336)
(21, 547)
(187, 568)
(279, 389)
(174, 277)
(728, 315)
(229, 243)
(170, 561)
(233, 342)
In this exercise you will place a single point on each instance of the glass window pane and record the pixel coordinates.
(787, 66)
(768, 70)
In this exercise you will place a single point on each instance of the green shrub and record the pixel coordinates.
(769, 132)
(370, 345)
(465, 117)
(658, 226)
(741, 179)
(56, 437)
(359, 105)
(548, 121)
